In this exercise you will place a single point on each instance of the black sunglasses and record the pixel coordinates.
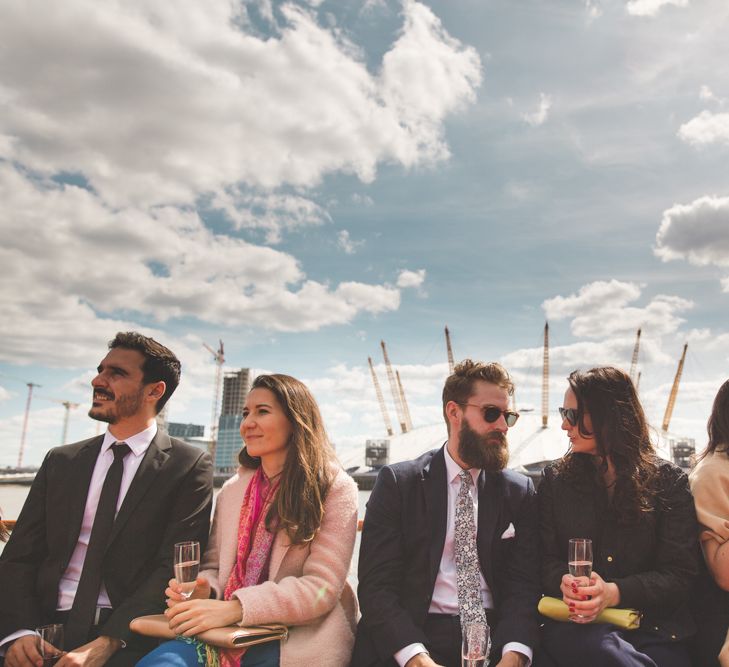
(491, 413)
(570, 414)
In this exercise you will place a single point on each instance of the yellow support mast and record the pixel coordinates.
(674, 390)
(380, 398)
(545, 377)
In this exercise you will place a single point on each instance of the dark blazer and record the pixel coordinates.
(402, 544)
(654, 562)
(169, 501)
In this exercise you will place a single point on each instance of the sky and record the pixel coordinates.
(304, 179)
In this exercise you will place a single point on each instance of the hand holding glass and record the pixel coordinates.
(475, 645)
(187, 566)
(50, 643)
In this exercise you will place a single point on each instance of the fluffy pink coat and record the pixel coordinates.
(307, 587)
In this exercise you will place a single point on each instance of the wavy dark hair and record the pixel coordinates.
(621, 434)
(718, 424)
(3, 532)
(307, 473)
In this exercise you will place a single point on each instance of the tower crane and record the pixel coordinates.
(30, 386)
(219, 359)
(451, 363)
(393, 389)
(545, 377)
(380, 398)
(674, 390)
(634, 360)
(405, 408)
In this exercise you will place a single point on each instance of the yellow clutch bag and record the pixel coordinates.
(557, 610)
(231, 636)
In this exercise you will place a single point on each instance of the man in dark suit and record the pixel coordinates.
(410, 577)
(93, 545)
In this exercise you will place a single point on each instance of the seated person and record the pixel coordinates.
(280, 545)
(638, 511)
(451, 538)
(710, 485)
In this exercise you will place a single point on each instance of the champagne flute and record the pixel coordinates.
(187, 566)
(579, 558)
(475, 644)
(50, 643)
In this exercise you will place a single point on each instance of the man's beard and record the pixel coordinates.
(489, 452)
(126, 405)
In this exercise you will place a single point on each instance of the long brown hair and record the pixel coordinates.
(621, 434)
(307, 473)
(718, 424)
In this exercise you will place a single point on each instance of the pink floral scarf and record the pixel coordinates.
(254, 545)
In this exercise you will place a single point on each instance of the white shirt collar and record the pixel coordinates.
(138, 443)
(453, 470)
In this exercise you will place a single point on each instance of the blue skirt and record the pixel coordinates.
(179, 653)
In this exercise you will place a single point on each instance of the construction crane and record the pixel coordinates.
(380, 398)
(545, 377)
(30, 386)
(451, 363)
(405, 408)
(68, 405)
(674, 390)
(219, 359)
(393, 389)
(634, 360)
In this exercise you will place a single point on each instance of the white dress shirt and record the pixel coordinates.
(445, 591)
(67, 586)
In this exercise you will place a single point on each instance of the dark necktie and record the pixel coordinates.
(83, 611)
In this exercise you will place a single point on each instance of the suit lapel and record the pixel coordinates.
(154, 458)
(79, 480)
(489, 509)
(436, 506)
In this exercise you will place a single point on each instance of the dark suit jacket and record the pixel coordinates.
(654, 562)
(169, 501)
(402, 544)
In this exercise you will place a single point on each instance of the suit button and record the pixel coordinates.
(673, 636)
(609, 559)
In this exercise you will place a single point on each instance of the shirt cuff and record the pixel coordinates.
(410, 651)
(5, 642)
(518, 647)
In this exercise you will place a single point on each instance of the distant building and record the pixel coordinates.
(178, 430)
(236, 386)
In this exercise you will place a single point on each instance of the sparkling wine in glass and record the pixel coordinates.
(187, 566)
(475, 645)
(579, 558)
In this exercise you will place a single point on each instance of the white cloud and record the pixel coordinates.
(593, 9)
(346, 243)
(407, 278)
(707, 95)
(272, 213)
(602, 309)
(4, 394)
(539, 116)
(697, 232)
(706, 128)
(84, 263)
(158, 105)
(652, 7)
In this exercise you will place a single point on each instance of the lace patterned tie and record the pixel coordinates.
(470, 604)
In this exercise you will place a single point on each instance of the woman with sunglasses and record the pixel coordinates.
(637, 509)
(709, 483)
(280, 544)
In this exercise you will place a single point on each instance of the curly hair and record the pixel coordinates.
(307, 473)
(621, 435)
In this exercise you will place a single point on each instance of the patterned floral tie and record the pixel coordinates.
(467, 571)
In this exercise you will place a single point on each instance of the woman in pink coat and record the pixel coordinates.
(280, 544)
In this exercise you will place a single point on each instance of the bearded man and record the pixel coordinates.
(93, 545)
(451, 538)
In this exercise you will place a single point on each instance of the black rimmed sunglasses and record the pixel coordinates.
(570, 414)
(491, 413)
